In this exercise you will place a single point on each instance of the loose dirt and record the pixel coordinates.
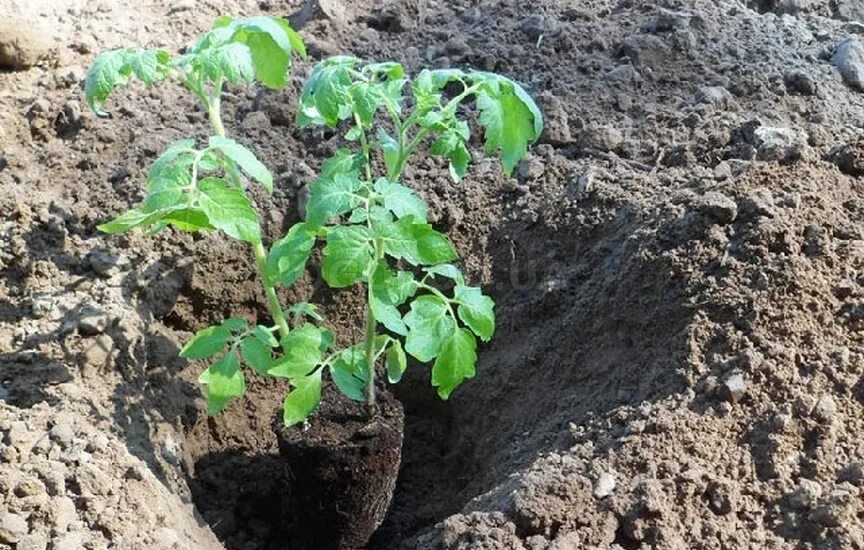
(678, 269)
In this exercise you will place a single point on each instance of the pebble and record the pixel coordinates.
(531, 168)
(93, 324)
(723, 171)
(42, 306)
(106, 263)
(604, 486)
(799, 82)
(165, 537)
(63, 512)
(63, 434)
(825, 410)
(69, 541)
(456, 47)
(602, 138)
(849, 158)
(668, 20)
(646, 50)
(734, 388)
(256, 120)
(718, 207)
(716, 96)
(556, 130)
(97, 355)
(22, 43)
(779, 144)
(849, 60)
(13, 527)
(33, 541)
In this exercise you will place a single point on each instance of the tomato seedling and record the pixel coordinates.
(374, 229)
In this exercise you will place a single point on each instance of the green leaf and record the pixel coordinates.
(401, 200)
(332, 197)
(476, 310)
(180, 154)
(235, 324)
(150, 66)
(456, 361)
(232, 61)
(187, 219)
(446, 270)
(135, 217)
(302, 352)
(303, 399)
(271, 61)
(396, 362)
(429, 324)
(293, 37)
(365, 100)
(256, 354)
(389, 291)
(265, 336)
(229, 209)
(389, 148)
(288, 256)
(206, 342)
(350, 374)
(417, 243)
(325, 93)
(109, 70)
(346, 255)
(510, 118)
(245, 159)
(304, 308)
(224, 381)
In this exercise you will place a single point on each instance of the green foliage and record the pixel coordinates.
(236, 50)
(371, 229)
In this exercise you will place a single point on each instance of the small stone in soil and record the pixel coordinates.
(604, 486)
(63, 434)
(105, 263)
(96, 356)
(718, 207)
(849, 60)
(825, 410)
(93, 324)
(13, 527)
(22, 43)
(734, 388)
(33, 541)
(531, 168)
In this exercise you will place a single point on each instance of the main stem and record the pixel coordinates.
(370, 352)
(273, 304)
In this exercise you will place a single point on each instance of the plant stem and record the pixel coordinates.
(272, 299)
(370, 353)
(273, 304)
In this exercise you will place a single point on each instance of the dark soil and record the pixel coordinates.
(677, 270)
(343, 467)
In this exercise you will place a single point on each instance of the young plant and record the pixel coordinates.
(374, 229)
(196, 189)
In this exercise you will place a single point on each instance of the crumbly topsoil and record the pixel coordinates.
(678, 269)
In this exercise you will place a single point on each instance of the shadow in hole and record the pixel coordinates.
(24, 375)
(589, 319)
(246, 499)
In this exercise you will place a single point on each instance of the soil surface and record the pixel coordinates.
(678, 268)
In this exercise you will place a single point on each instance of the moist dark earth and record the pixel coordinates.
(677, 266)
